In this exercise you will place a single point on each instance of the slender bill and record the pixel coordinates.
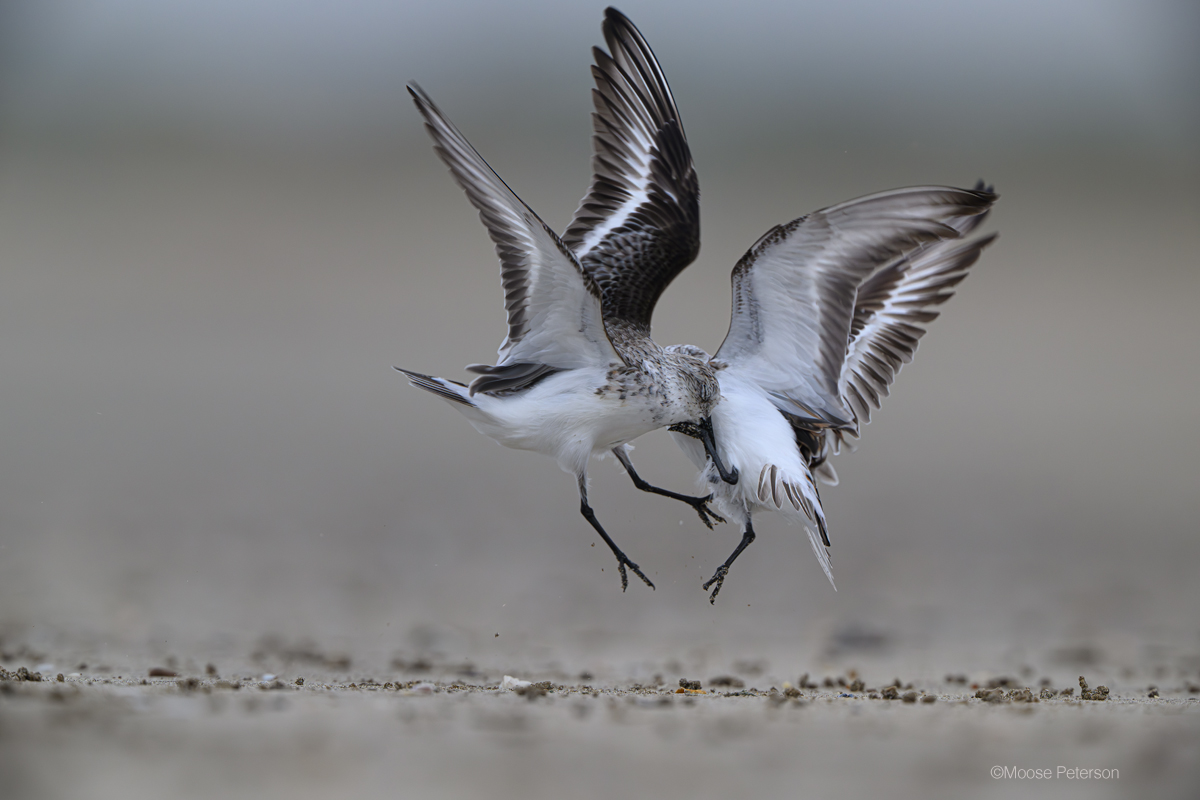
(710, 447)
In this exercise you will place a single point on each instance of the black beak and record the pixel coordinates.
(710, 447)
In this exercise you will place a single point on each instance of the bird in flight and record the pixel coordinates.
(826, 310)
(578, 374)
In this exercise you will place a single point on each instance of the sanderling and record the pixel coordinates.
(826, 310)
(578, 373)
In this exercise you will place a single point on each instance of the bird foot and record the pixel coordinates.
(701, 506)
(719, 579)
(622, 562)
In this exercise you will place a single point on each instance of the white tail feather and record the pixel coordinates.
(774, 487)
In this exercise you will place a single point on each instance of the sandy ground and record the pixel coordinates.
(424, 729)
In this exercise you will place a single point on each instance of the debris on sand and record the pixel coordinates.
(1099, 693)
(162, 672)
(303, 651)
(510, 683)
(1022, 696)
(22, 674)
(189, 684)
(689, 685)
(1153, 692)
(992, 695)
(789, 696)
(727, 680)
(535, 690)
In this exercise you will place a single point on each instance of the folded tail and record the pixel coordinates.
(776, 489)
(447, 390)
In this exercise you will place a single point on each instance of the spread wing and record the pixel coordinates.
(891, 313)
(639, 225)
(554, 319)
(794, 291)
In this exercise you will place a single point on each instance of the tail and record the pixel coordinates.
(820, 548)
(447, 390)
(773, 488)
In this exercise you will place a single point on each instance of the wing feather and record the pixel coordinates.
(794, 296)
(891, 311)
(639, 224)
(554, 315)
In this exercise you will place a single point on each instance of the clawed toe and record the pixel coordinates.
(719, 579)
(702, 509)
(636, 571)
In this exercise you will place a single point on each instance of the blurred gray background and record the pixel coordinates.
(221, 225)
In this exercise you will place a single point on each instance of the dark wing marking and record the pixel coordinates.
(639, 225)
(509, 377)
(553, 306)
(794, 291)
(891, 314)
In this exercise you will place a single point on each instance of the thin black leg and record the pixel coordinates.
(719, 576)
(698, 503)
(622, 559)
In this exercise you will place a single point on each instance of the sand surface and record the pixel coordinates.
(428, 729)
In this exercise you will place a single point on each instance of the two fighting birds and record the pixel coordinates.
(826, 310)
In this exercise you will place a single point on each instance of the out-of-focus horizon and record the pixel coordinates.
(273, 75)
(221, 224)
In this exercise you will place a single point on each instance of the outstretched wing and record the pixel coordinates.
(891, 313)
(554, 318)
(639, 225)
(794, 291)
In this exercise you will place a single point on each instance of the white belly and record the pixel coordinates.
(563, 417)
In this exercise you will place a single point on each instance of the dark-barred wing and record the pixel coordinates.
(554, 317)
(794, 291)
(893, 309)
(639, 225)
